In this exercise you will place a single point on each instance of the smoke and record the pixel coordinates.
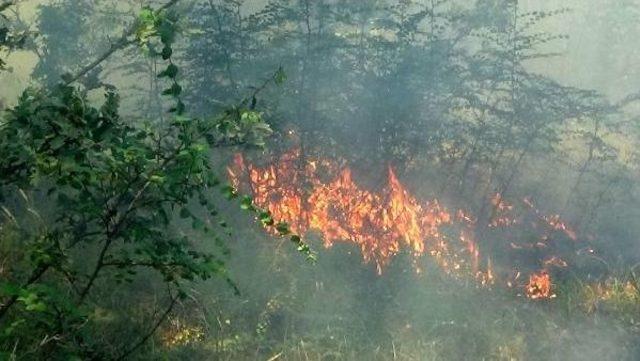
(342, 309)
(467, 192)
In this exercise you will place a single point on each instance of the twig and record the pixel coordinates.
(153, 330)
(111, 235)
(121, 43)
(259, 89)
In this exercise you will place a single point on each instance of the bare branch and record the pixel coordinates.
(152, 331)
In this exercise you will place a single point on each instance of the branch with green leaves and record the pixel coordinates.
(124, 41)
(239, 124)
(11, 38)
(129, 198)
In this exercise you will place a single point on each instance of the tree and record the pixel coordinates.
(92, 199)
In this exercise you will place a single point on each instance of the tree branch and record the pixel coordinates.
(35, 276)
(111, 236)
(153, 330)
(121, 43)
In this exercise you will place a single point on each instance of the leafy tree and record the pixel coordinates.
(91, 199)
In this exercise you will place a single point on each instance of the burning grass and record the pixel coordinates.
(319, 196)
(339, 310)
(447, 287)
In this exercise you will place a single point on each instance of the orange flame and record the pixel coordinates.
(320, 196)
(539, 286)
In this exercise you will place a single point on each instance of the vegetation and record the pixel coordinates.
(116, 203)
(94, 201)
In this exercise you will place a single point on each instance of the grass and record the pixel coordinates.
(615, 297)
(445, 321)
(339, 309)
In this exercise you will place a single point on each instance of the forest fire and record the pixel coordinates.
(319, 196)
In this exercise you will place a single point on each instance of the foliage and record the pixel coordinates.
(109, 222)
(91, 200)
(13, 34)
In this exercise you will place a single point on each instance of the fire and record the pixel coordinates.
(322, 197)
(502, 210)
(557, 224)
(555, 261)
(539, 286)
(553, 221)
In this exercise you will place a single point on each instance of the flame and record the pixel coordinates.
(502, 212)
(557, 224)
(555, 261)
(539, 286)
(322, 197)
(553, 221)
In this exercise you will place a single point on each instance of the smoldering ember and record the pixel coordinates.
(315, 180)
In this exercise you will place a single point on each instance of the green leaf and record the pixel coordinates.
(174, 90)
(32, 302)
(146, 16)
(166, 52)
(156, 179)
(282, 228)
(167, 31)
(246, 203)
(171, 71)
(265, 218)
